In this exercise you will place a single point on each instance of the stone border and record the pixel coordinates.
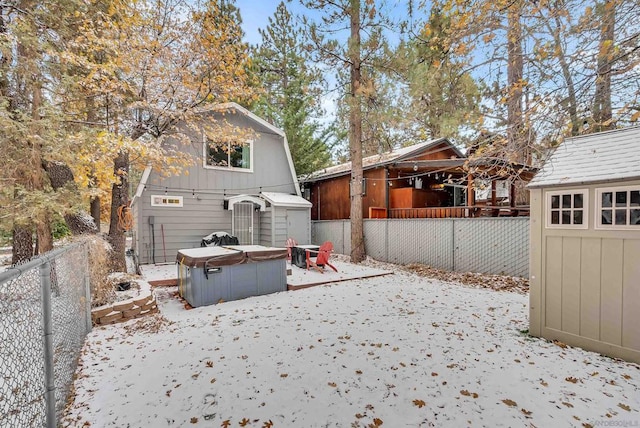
(125, 310)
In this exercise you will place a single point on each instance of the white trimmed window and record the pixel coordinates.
(235, 155)
(567, 209)
(618, 207)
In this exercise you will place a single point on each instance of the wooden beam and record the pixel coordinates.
(471, 194)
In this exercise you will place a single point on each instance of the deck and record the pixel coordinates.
(457, 212)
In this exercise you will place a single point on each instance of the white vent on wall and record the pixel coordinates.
(166, 201)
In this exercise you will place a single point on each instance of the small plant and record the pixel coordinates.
(103, 290)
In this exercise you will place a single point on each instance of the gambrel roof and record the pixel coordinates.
(595, 158)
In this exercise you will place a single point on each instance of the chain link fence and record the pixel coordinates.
(45, 315)
(497, 246)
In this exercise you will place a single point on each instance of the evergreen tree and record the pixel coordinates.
(292, 91)
(443, 98)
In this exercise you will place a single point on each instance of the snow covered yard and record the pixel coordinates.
(396, 351)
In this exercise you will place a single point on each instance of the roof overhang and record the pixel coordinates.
(285, 200)
(246, 198)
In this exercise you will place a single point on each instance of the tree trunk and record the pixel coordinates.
(516, 143)
(602, 113)
(94, 203)
(60, 175)
(22, 246)
(44, 235)
(95, 211)
(572, 103)
(355, 137)
(119, 198)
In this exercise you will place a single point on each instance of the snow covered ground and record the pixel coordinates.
(393, 351)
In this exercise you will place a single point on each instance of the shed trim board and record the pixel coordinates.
(585, 282)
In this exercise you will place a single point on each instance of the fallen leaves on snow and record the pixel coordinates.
(509, 402)
(477, 280)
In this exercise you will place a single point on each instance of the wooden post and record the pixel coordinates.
(471, 195)
(493, 193)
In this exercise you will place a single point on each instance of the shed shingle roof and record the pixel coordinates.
(600, 157)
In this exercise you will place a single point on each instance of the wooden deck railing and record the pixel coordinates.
(459, 212)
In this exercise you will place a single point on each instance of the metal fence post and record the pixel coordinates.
(50, 387)
(87, 288)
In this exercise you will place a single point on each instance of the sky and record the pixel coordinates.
(396, 351)
(255, 14)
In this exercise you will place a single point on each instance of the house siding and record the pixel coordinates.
(204, 190)
(585, 284)
(266, 237)
(331, 196)
(280, 226)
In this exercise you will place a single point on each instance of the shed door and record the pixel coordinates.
(298, 225)
(243, 222)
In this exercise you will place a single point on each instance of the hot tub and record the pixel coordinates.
(209, 275)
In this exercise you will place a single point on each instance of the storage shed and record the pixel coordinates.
(585, 244)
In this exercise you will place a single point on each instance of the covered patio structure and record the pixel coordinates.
(427, 180)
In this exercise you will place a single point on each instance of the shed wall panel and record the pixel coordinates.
(553, 283)
(298, 225)
(536, 250)
(571, 285)
(631, 294)
(590, 289)
(601, 275)
(611, 299)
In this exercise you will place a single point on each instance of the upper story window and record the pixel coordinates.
(618, 207)
(236, 155)
(567, 209)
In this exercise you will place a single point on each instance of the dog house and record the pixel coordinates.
(209, 275)
(585, 244)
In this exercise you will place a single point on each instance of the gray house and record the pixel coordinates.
(247, 188)
(585, 244)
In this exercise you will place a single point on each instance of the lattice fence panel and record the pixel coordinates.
(337, 231)
(426, 241)
(492, 245)
(486, 245)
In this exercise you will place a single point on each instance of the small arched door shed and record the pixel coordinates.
(585, 244)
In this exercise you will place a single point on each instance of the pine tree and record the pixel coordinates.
(291, 91)
(443, 97)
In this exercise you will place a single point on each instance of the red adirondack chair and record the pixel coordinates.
(289, 243)
(321, 258)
